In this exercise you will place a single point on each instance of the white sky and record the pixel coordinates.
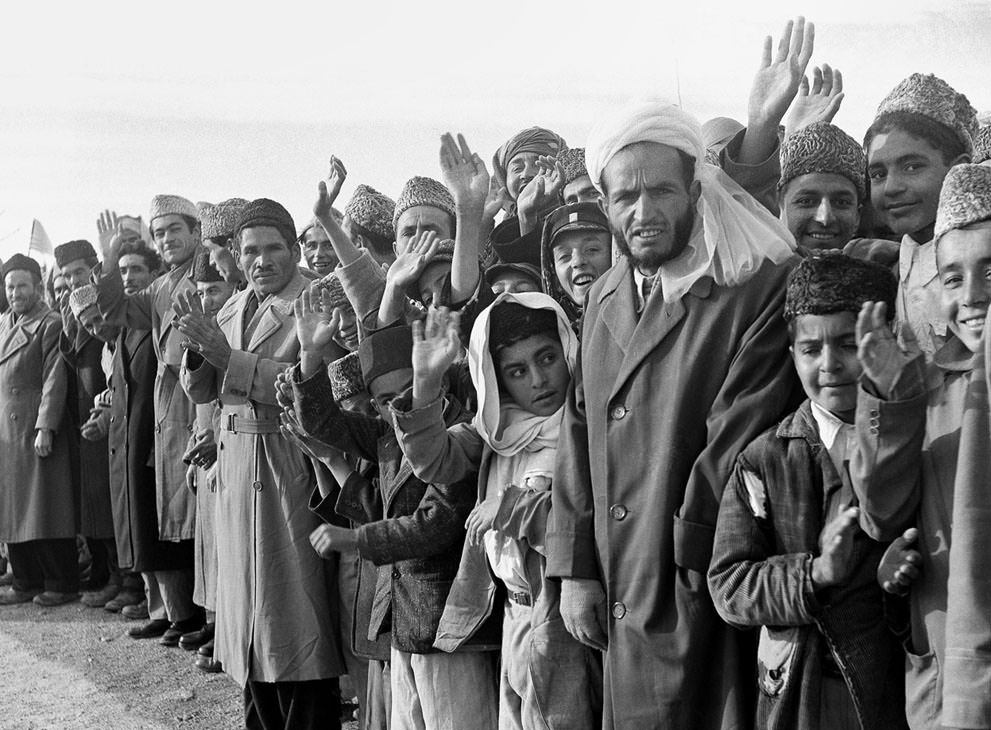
(104, 104)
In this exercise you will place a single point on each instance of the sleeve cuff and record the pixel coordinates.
(240, 374)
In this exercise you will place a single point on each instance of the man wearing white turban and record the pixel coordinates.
(684, 360)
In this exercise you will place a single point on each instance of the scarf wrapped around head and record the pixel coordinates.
(504, 426)
(532, 139)
(736, 234)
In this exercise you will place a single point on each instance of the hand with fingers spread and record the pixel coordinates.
(541, 194)
(328, 191)
(901, 564)
(203, 334)
(106, 227)
(481, 519)
(779, 77)
(832, 566)
(412, 260)
(464, 173)
(496, 200)
(436, 346)
(315, 328)
(881, 355)
(819, 104)
(583, 611)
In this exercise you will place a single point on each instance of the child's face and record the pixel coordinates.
(964, 260)
(386, 387)
(906, 174)
(534, 373)
(824, 350)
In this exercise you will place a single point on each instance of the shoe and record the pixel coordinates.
(14, 596)
(135, 611)
(55, 598)
(208, 664)
(151, 630)
(98, 599)
(7, 579)
(206, 650)
(178, 628)
(195, 639)
(123, 599)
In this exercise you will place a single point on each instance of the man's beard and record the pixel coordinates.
(654, 259)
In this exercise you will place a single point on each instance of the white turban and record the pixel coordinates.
(737, 234)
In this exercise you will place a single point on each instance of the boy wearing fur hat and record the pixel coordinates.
(922, 463)
(788, 556)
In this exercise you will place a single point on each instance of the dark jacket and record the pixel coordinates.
(772, 513)
(414, 531)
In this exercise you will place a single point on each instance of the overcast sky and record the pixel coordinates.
(105, 104)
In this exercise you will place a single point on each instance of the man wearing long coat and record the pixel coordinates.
(684, 360)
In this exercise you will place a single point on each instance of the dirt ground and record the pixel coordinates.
(75, 668)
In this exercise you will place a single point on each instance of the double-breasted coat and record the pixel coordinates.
(660, 406)
(275, 611)
(151, 309)
(36, 499)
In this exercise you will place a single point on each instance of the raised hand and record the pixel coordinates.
(832, 565)
(464, 173)
(413, 259)
(778, 79)
(541, 194)
(436, 345)
(901, 564)
(496, 200)
(106, 228)
(203, 334)
(315, 328)
(819, 104)
(328, 191)
(880, 354)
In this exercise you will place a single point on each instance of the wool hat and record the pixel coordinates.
(331, 283)
(73, 251)
(218, 221)
(265, 212)
(930, 96)
(385, 351)
(81, 299)
(423, 191)
(827, 282)
(204, 270)
(373, 211)
(171, 205)
(572, 161)
(982, 144)
(20, 262)
(964, 199)
(345, 377)
(824, 148)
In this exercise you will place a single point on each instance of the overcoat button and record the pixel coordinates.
(257, 486)
(619, 413)
(618, 512)
(618, 610)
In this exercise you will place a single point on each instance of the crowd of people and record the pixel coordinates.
(687, 428)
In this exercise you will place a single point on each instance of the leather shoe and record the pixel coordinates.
(136, 611)
(153, 629)
(208, 664)
(178, 628)
(206, 650)
(195, 639)
(55, 598)
(14, 596)
(7, 579)
(122, 599)
(98, 599)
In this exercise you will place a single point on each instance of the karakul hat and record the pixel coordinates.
(572, 161)
(331, 283)
(218, 221)
(20, 262)
(822, 147)
(73, 251)
(345, 377)
(827, 282)
(930, 96)
(964, 199)
(265, 212)
(423, 191)
(982, 144)
(81, 299)
(172, 205)
(373, 211)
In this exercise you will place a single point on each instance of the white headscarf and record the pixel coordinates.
(736, 234)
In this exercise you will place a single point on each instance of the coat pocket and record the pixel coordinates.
(776, 652)
(923, 704)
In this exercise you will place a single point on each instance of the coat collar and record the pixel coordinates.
(801, 425)
(275, 310)
(20, 332)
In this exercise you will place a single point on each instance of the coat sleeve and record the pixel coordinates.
(251, 377)
(54, 385)
(750, 585)
(360, 500)
(754, 394)
(570, 541)
(133, 312)
(436, 453)
(198, 378)
(760, 180)
(523, 515)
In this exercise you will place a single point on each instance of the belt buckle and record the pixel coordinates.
(230, 422)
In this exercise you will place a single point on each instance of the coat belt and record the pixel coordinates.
(239, 424)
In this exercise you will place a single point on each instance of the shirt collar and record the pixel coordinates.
(829, 425)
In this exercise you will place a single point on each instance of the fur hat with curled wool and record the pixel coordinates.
(338, 299)
(385, 351)
(510, 323)
(20, 262)
(572, 161)
(828, 282)
(345, 377)
(423, 191)
(265, 212)
(824, 148)
(373, 211)
(930, 96)
(81, 299)
(982, 145)
(218, 221)
(203, 269)
(73, 251)
(965, 198)
(171, 205)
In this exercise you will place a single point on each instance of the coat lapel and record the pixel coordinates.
(274, 311)
(18, 334)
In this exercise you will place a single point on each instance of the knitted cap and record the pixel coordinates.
(964, 199)
(171, 205)
(332, 285)
(930, 96)
(218, 221)
(982, 144)
(372, 210)
(827, 282)
(824, 148)
(265, 212)
(572, 161)
(204, 270)
(345, 377)
(82, 299)
(385, 351)
(20, 262)
(423, 191)
(73, 251)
